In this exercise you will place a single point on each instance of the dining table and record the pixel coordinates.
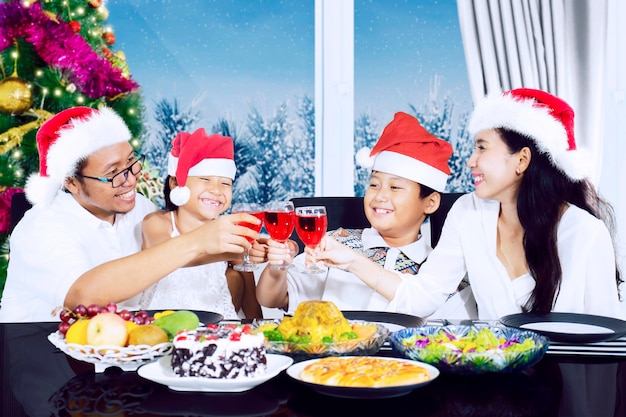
(40, 380)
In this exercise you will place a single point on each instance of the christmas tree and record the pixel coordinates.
(54, 54)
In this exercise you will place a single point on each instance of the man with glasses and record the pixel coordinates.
(81, 241)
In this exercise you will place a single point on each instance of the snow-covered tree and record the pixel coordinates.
(460, 180)
(172, 121)
(366, 133)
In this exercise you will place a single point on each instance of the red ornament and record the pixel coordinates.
(95, 3)
(106, 52)
(109, 37)
(75, 25)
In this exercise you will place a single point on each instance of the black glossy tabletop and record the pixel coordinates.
(39, 380)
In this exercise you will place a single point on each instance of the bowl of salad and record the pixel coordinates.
(471, 350)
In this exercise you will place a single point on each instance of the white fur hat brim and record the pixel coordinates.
(524, 117)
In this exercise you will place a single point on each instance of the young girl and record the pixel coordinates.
(201, 170)
(410, 168)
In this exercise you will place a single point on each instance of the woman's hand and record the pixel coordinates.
(332, 253)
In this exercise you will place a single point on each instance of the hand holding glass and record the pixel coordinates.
(257, 211)
(311, 225)
(279, 223)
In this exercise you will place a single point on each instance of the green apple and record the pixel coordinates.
(177, 321)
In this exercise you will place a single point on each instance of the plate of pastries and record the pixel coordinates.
(363, 376)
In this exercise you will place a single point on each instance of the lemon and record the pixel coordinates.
(77, 332)
(163, 313)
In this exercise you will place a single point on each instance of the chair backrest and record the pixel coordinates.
(439, 217)
(348, 212)
(19, 206)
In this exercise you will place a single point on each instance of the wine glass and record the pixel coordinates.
(257, 211)
(311, 225)
(279, 223)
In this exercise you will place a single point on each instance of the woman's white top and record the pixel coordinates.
(468, 246)
(201, 287)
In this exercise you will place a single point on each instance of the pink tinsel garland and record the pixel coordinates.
(63, 49)
(5, 207)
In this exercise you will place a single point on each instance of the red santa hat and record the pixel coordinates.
(67, 138)
(198, 154)
(408, 150)
(544, 118)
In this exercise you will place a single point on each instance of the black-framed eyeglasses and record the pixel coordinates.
(121, 177)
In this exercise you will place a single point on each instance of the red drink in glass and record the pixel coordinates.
(256, 227)
(279, 224)
(311, 228)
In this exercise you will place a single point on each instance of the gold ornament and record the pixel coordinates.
(15, 96)
(13, 137)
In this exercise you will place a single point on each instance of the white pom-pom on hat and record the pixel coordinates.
(180, 196)
(363, 158)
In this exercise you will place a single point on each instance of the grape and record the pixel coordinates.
(149, 320)
(93, 309)
(80, 310)
(63, 326)
(111, 307)
(66, 315)
(125, 314)
(143, 314)
(139, 320)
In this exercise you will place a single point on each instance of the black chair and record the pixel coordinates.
(19, 206)
(439, 217)
(348, 212)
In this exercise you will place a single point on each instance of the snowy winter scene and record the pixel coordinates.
(246, 68)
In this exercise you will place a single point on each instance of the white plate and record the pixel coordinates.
(161, 372)
(570, 328)
(363, 392)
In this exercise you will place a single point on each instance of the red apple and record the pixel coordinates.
(107, 329)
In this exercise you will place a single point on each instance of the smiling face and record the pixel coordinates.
(100, 198)
(494, 167)
(209, 196)
(394, 208)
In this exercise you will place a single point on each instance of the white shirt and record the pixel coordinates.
(54, 245)
(200, 287)
(344, 288)
(468, 245)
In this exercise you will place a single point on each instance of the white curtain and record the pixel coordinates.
(557, 46)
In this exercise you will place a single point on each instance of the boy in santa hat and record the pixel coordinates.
(410, 170)
(533, 237)
(81, 241)
(198, 189)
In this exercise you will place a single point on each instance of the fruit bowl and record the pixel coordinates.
(127, 358)
(355, 347)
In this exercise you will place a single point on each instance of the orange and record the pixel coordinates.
(77, 332)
